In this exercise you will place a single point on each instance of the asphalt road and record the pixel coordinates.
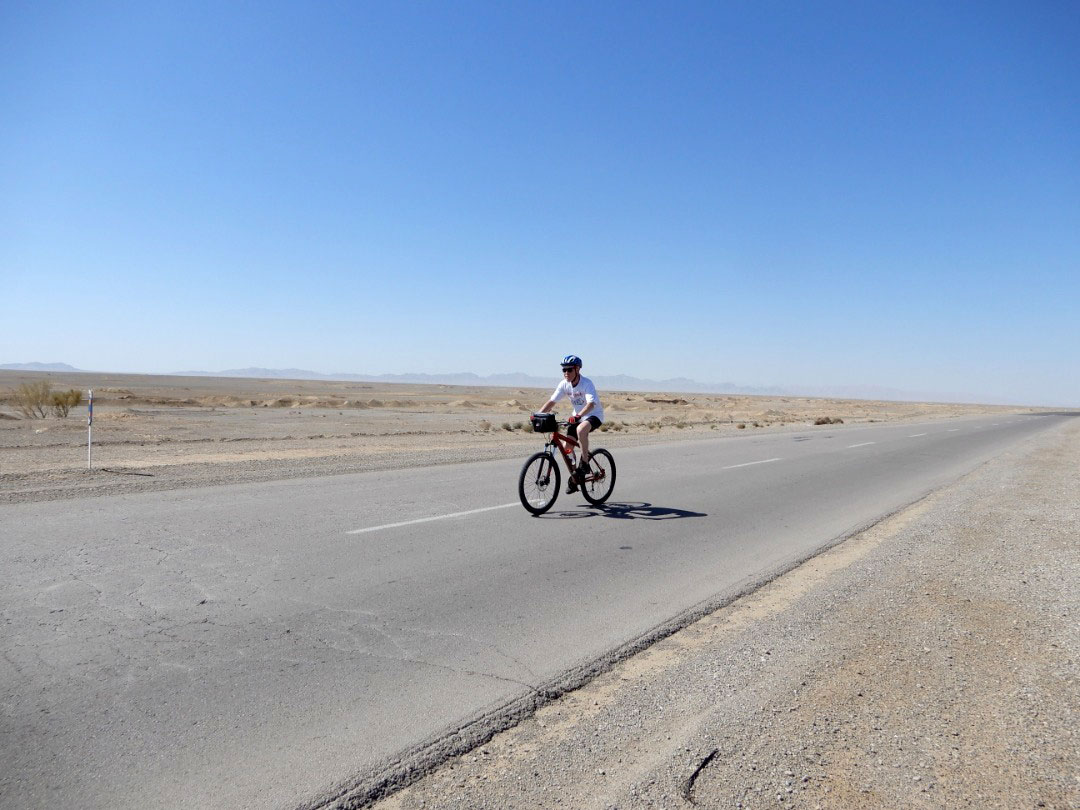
(252, 645)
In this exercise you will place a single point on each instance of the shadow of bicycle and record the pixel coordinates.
(628, 511)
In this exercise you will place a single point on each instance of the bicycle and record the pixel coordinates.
(538, 484)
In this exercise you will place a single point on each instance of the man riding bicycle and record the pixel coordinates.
(588, 412)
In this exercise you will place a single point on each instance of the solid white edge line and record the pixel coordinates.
(429, 519)
(860, 445)
(916, 435)
(747, 464)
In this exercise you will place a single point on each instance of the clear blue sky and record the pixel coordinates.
(775, 193)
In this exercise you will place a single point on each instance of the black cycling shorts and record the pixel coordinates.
(592, 420)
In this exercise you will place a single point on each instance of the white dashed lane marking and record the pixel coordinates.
(747, 464)
(916, 435)
(862, 444)
(435, 517)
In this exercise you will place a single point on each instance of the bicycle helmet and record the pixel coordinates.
(571, 360)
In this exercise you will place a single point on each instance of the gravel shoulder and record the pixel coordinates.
(930, 661)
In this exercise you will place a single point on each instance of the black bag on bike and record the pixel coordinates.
(543, 422)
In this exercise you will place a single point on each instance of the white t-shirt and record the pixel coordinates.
(580, 395)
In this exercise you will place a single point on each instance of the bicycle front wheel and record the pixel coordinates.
(538, 484)
(601, 478)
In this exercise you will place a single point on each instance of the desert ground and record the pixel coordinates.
(158, 432)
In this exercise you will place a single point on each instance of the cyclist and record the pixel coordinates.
(588, 411)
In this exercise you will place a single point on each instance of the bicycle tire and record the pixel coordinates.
(602, 469)
(538, 483)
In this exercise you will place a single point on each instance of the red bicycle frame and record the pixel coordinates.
(566, 444)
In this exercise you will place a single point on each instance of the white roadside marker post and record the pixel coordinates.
(90, 432)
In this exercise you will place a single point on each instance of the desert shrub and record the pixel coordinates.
(64, 401)
(757, 424)
(604, 428)
(507, 426)
(485, 424)
(741, 426)
(828, 420)
(31, 399)
(680, 424)
(521, 426)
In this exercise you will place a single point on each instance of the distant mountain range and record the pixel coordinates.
(619, 382)
(38, 367)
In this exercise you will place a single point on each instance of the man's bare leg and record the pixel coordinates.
(583, 428)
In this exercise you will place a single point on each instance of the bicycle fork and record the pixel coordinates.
(543, 474)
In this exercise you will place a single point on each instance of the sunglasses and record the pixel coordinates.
(569, 368)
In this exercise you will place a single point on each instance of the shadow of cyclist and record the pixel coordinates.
(631, 511)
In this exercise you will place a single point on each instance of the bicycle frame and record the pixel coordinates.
(567, 444)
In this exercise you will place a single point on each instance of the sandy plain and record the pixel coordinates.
(159, 432)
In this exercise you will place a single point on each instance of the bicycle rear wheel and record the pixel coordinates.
(538, 484)
(601, 479)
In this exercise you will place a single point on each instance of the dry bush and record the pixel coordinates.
(31, 399)
(828, 420)
(64, 401)
(741, 426)
(485, 424)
